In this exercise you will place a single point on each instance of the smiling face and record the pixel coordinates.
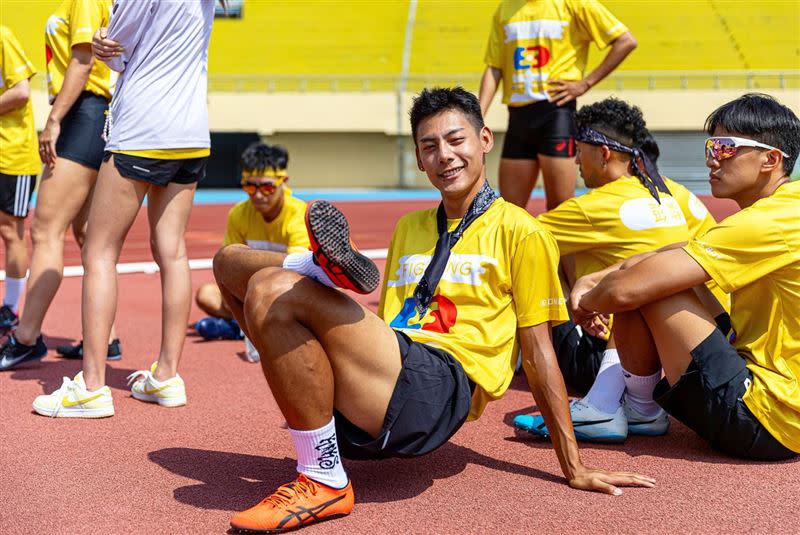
(452, 153)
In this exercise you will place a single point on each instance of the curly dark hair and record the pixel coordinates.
(762, 118)
(616, 119)
(259, 157)
(434, 101)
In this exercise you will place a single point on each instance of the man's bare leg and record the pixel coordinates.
(559, 175)
(209, 299)
(517, 179)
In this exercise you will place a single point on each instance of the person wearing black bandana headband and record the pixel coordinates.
(466, 284)
(629, 210)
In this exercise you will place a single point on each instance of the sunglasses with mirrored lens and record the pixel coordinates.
(266, 188)
(723, 147)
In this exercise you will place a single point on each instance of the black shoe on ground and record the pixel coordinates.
(8, 319)
(13, 353)
(76, 351)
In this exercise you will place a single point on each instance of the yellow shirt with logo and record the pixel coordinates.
(533, 42)
(501, 275)
(755, 256)
(73, 23)
(699, 220)
(285, 234)
(19, 147)
(613, 222)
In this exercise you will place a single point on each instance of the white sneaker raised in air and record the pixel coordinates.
(649, 426)
(168, 393)
(72, 400)
(590, 424)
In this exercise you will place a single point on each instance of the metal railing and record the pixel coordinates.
(620, 81)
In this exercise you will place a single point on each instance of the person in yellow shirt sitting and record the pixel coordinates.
(271, 220)
(741, 393)
(19, 165)
(460, 291)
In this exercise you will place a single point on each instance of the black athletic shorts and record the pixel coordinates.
(430, 402)
(579, 356)
(81, 138)
(15, 193)
(708, 399)
(159, 172)
(540, 128)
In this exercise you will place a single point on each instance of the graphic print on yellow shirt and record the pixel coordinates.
(613, 222)
(75, 22)
(501, 275)
(534, 41)
(285, 234)
(19, 146)
(755, 256)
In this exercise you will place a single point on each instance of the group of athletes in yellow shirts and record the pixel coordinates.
(630, 295)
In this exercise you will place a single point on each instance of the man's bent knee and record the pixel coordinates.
(224, 257)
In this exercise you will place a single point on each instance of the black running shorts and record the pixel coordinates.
(81, 138)
(579, 356)
(430, 402)
(160, 172)
(540, 128)
(15, 193)
(708, 399)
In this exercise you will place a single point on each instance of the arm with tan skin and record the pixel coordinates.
(643, 281)
(16, 97)
(547, 386)
(490, 81)
(564, 91)
(78, 70)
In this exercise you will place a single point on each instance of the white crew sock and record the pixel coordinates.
(318, 455)
(14, 290)
(606, 392)
(303, 263)
(639, 394)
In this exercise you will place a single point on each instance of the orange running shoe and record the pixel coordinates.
(329, 234)
(294, 505)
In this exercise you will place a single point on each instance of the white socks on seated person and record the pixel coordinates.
(303, 263)
(639, 392)
(318, 455)
(606, 392)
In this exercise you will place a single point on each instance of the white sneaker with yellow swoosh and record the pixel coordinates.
(168, 393)
(72, 400)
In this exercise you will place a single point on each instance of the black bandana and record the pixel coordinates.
(649, 176)
(423, 293)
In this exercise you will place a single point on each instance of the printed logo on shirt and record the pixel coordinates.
(646, 213)
(531, 57)
(461, 269)
(697, 208)
(439, 318)
(535, 29)
(265, 245)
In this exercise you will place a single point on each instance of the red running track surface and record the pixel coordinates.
(186, 470)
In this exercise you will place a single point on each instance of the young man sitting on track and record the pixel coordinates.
(742, 393)
(630, 209)
(271, 220)
(463, 283)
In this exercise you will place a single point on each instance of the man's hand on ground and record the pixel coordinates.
(609, 482)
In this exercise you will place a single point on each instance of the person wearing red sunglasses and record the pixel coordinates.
(742, 392)
(270, 219)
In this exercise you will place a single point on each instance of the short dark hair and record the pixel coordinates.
(650, 147)
(761, 117)
(616, 119)
(259, 157)
(438, 99)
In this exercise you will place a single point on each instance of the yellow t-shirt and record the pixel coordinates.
(536, 41)
(699, 220)
(73, 23)
(18, 144)
(501, 275)
(285, 234)
(755, 256)
(613, 222)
